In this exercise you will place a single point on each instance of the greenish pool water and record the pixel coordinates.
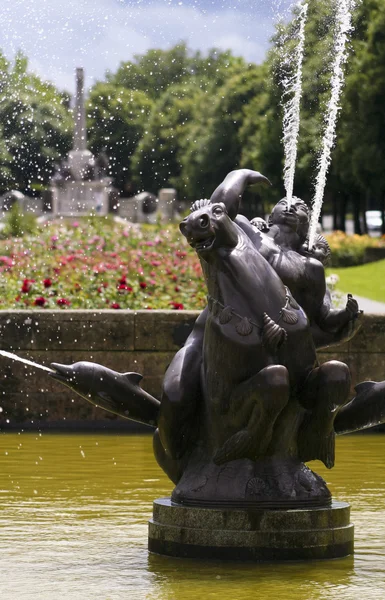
(73, 526)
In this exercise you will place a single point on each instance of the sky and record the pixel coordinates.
(59, 35)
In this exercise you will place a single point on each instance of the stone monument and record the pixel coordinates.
(245, 404)
(80, 185)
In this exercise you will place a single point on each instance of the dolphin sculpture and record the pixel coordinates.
(367, 409)
(119, 393)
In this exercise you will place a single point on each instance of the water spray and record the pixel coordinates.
(291, 108)
(25, 361)
(344, 27)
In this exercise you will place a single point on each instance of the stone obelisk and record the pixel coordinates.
(79, 157)
(78, 189)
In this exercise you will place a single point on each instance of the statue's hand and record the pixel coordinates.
(355, 320)
(260, 224)
(352, 307)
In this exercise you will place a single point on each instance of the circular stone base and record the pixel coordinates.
(258, 535)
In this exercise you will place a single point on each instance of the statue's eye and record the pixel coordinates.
(217, 210)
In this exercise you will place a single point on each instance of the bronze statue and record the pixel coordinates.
(245, 402)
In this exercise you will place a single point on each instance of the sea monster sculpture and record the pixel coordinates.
(244, 402)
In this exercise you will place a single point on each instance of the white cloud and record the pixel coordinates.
(59, 35)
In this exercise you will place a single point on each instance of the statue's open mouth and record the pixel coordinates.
(290, 216)
(205, 244)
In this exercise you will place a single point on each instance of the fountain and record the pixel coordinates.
(344, 27)
(291, 108)
(245, 403)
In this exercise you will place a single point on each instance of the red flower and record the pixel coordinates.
(40, 301)
(177, 289)
(174, 278)
(143, 285)
(26, 287)
(177, 305)
(123, 280)
(115, 305)
(47, 282)
(124, 288)
(63, 302)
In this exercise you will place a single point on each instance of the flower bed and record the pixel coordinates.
(98, 263)
(350, 250)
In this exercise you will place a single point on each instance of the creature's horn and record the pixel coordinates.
(231, 189)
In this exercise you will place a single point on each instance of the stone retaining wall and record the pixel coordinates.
(143, 341)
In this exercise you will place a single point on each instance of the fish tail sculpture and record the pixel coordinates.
(367, 409)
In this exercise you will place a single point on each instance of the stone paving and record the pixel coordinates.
(370, 307)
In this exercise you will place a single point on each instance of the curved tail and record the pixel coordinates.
(231, 189)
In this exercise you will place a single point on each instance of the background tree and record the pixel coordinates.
(157, 161)
(213, 147)
(116, 121)
(36, 126)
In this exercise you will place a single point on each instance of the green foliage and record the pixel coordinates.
(116, 121)
(17, 223)
(179, 118)
(153, 72)
(157, 159)
(36, 126)
(362, 143)
(213, 147)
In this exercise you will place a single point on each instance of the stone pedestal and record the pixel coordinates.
(167, 201)
(257, 535)
(81, 198)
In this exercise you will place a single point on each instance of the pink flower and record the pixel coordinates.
(40, 301)
(63, 302)
(7, 261)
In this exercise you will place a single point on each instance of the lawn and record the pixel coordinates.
(367, 280)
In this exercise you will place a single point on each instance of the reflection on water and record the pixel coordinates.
(74, 513)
